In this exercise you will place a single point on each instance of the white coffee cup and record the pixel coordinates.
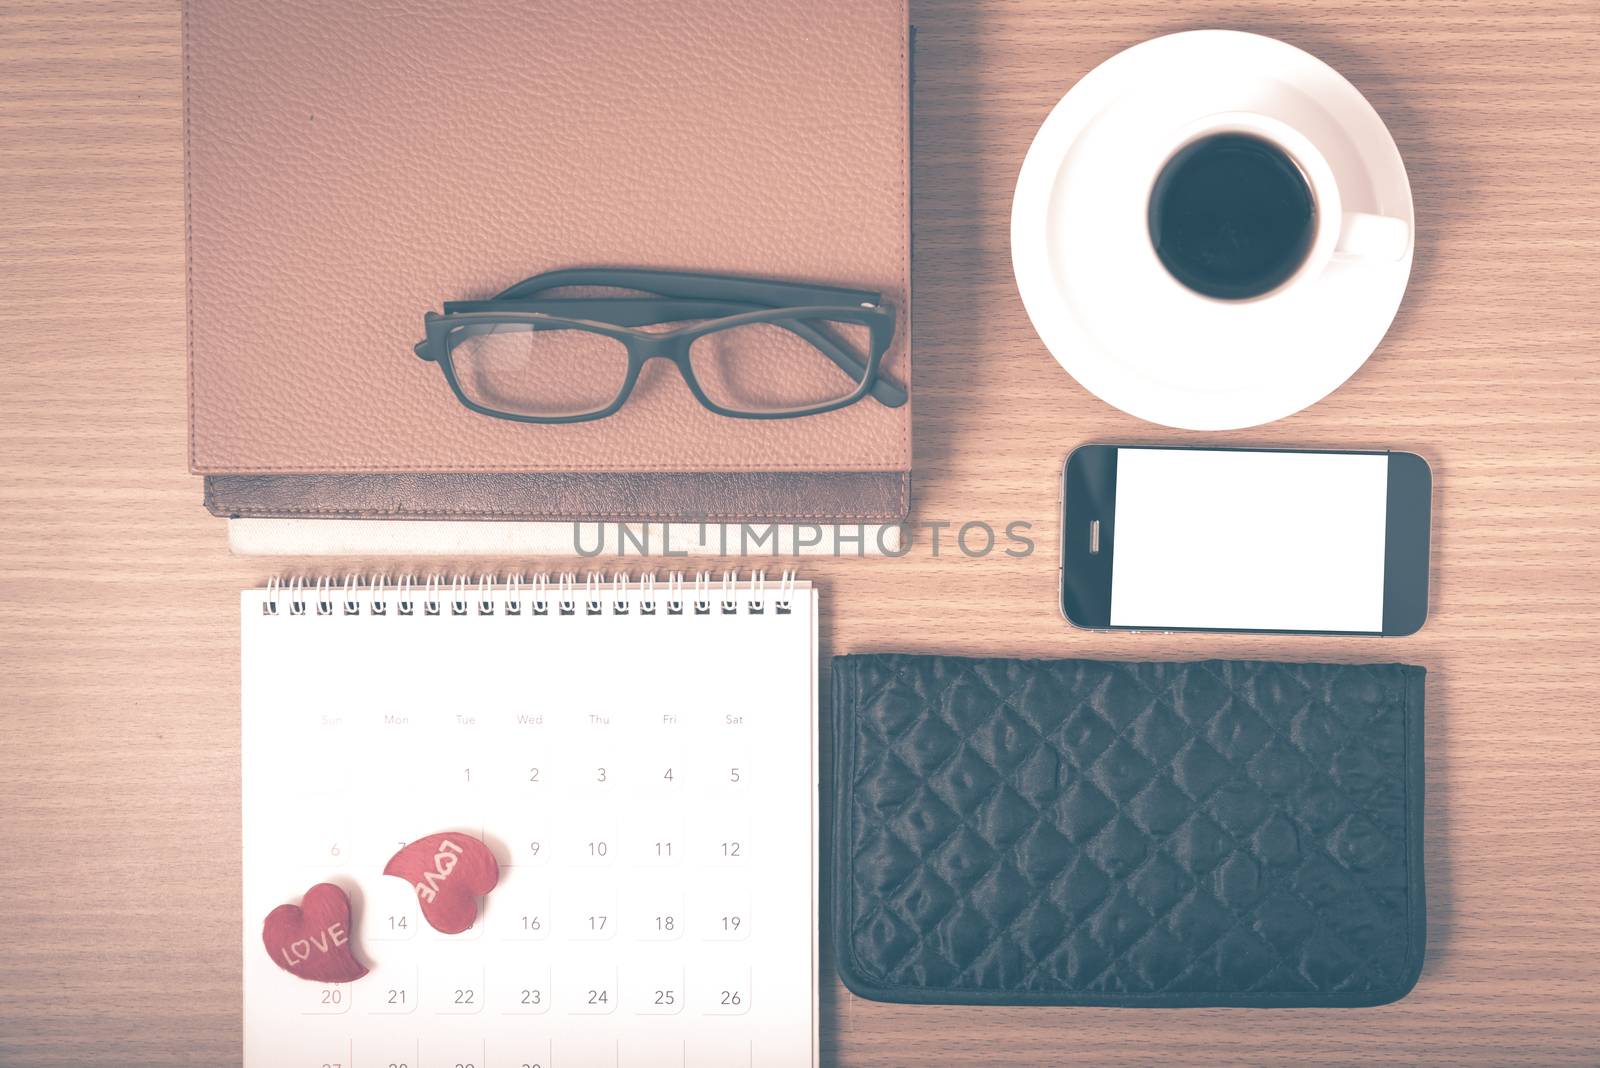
(1337, 233)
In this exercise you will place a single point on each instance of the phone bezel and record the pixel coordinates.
(1088, 493)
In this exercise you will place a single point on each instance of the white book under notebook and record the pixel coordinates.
(641, 760)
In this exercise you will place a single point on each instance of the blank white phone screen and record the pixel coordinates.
(1249, 540)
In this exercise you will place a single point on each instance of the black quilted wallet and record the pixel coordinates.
(1074, 832)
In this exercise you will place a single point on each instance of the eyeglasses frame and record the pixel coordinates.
(721, 302)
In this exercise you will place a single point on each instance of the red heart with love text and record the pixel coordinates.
(312, 939)
(449, 872)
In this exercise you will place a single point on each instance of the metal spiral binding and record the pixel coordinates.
(543, 595)
(785, 599)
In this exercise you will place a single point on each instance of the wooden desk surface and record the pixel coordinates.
(119, 771)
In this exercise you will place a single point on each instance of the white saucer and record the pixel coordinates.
(1124, 328)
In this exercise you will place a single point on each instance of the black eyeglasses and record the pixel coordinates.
(746, 347)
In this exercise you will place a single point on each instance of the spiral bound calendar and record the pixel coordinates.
(641, 758)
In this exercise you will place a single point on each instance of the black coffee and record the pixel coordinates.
(1232, 216)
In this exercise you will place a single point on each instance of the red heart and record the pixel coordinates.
(312, 939)
(448, 871)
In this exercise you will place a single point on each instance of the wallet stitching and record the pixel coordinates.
(848, 858)
(1206, 665)
(1405, 767)
(848, 815)
(899, 676)
(1405, 806)
(1238, 920)
(897, 670)
(1006, 700)
(1197, 803)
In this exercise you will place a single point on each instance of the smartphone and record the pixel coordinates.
(1287, 541)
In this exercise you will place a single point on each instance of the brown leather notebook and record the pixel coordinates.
(353, 166)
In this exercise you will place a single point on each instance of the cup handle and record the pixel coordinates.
(1377, 237)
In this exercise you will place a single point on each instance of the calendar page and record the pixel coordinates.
(646, 781)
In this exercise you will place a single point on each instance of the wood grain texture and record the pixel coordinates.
(118, 634)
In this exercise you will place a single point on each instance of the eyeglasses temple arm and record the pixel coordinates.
(884, 389)
(685, 285)
(619, 311)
